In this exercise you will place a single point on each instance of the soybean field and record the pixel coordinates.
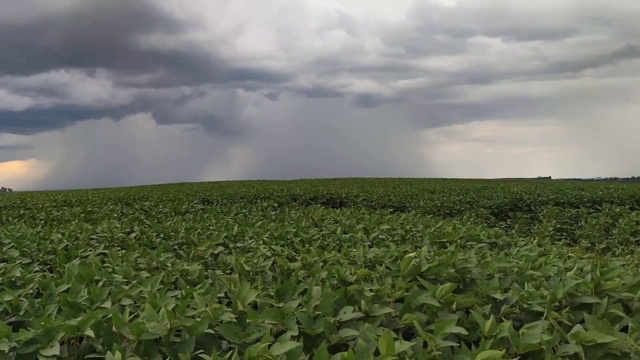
(323, 269)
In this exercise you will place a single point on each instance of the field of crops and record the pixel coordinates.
(323, 269)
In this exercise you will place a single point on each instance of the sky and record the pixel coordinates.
(129, 92)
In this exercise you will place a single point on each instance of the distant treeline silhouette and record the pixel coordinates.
(5, 190)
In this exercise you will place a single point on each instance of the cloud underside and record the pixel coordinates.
(308, 89)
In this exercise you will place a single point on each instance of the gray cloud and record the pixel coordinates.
(90, 34)
(328, 138)
(14, 147)
(15, 152)
(368, 100)
(94, 47)
(111, 59)
(102, 153)
(317, 92)
(300, 90)
(114, 35)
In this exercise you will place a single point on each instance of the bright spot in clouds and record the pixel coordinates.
(20, 174)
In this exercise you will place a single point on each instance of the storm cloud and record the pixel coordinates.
(108, 93)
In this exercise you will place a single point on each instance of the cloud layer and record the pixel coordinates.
(132, 92)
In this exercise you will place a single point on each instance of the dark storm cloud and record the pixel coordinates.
(92, 34)
(215, 110)
(11, 152)
(112, 37)
(109, 36)
(38, 120)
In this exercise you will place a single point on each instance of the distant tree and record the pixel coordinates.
(5, 190)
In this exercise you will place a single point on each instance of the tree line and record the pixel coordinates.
(5, 190)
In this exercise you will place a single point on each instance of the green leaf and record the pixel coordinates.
(286, 290)
(120, 325)
(380, 310)
(491, 355)
(126, 301)
(445, 290)
(52, 350)
(149, 314)
(426, 299)
(230, 332)
(587, 299)
(107, 304)
(157, 329)
(5, 346)
(595, 324)
(198, 328)
(246, 295)
(402, 346)
(479, 319)
(347, 332)
(113, 356)
(445, 327)
(347, 314)
(568, 349)
(322, 353)
(283, 347)
(601, 338)
(580, 335)
(386, 343)
(488, 326)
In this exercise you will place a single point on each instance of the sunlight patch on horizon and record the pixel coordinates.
(18, 174)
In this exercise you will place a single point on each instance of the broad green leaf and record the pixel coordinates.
(52, 350)
(402, 346)
(445, 290)
(580, 335)
(322, 353)
(5, 346)
(491, 355)
(230, 332)
(379, 310)
(595, 324)
(568, 349)
(386, 343)
(347, 333)
(283, 347)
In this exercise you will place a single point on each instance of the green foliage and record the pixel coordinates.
(323, 269)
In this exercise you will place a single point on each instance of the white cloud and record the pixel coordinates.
(591, 147)
(65, 87)
(13, 102)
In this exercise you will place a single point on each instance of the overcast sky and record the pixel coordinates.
(100, 93)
